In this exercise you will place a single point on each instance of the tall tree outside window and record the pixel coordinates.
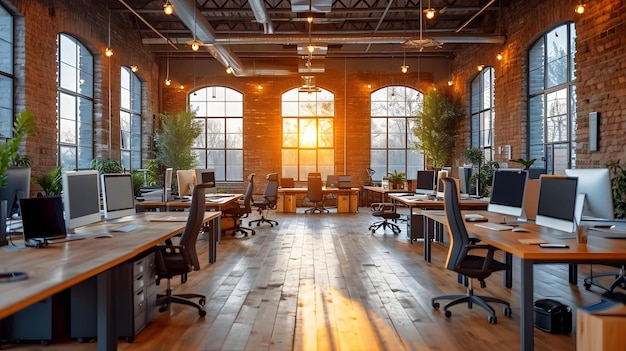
(6, 73)
(220, 146)
(392, 146)
(552, 100)
(483, 111)
(130, 119)
(74, 103)
(308, 133)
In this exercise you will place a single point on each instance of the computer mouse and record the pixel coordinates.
(103, 235)
(520, 230)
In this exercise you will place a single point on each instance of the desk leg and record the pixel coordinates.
(106, 330)
(527, 331)
(427, 238)
(214, 235)
(508, 274)
(573, 273)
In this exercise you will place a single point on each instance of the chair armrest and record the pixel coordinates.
(474, 240)
(488, 257)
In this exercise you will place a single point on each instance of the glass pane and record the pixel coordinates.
(67, 131)
(379, 95)
(234, 109)
(326, 108)
(290, 108)
(85, 113)
(67, 156)
(557, 103)
(233, 95)
(6, 55)
(307, 163)
(307, 109)
(307, 133)
(397, 133)
(68, 77)
(67, 50)
(85, 156)
(325, 132)
(216, 109)
(557, 72)
(379, 108)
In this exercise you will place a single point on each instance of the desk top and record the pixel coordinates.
(414, 202)
(325, 190)
(595, 250)
(60, 266)
(379, 189)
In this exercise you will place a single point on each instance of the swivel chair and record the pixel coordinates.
(172, 260)
(471, 266)
(386, 211)
(269, 201)
(315, 194)
(241, 209)
(619, 279)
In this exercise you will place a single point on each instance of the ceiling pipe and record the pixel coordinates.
(475, 15)
(262, 15)
(147, 24)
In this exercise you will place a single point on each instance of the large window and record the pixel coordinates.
(75, 103)
(392, 139)
(6, 73)
(308, 133)
(483, 113)
(552, 99)
(220, 146)
(130, 119)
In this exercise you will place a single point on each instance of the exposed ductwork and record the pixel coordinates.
(311, 5)
(261, 15)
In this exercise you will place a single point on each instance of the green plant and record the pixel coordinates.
(154, 177)
(50, 182)
(436, 126)
(525, 163)
(484, 176)
(108, 165)
(618, 186)
(475, 156)
(138, 181)
(23, 126)
(174, 138)
(396, 178)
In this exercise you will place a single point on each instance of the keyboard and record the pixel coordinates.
(494, 226)
(128, 228)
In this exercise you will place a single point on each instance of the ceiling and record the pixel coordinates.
(240, 33)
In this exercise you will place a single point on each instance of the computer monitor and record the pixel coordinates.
(425, 182)
(344, 182)
(117, 195)
(81, 198)
(332, 181)
(167, 184)
(186, 180)
(507, 193)
(42, 218)
(18, 187)
(595, 183)
(206, 176)
(440, 175)
(465, 173)
(557, 203)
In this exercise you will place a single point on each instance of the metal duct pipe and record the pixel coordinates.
(262, 15)
(374, 38)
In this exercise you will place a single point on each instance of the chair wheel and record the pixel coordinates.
(587, 286)
(436, 305)
(202, 301)
(448, 314)
(492, 319)
(507, 311)
(201, 313)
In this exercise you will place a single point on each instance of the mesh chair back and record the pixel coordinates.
(194, 223)
(459, 238)
(314, 187)
(247, 197)
(271, 190)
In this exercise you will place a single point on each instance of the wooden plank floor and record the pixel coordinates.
(324, 282)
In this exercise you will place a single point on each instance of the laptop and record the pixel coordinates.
(345, 182)
(42, 218)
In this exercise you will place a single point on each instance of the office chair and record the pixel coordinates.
(386, 211)
(620, 279)
(172, 260)
(242, 209)
(459, 260)
(332, 181)
(314, 193)
(269, 200)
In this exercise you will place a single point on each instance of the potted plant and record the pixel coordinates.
(397, 179)
(108, 165)
(476, 157)
(436, 126)
(525, 163)
(50, 182)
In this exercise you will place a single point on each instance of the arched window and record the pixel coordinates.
(220, 146)
(308, 133)
(392, 145)
(75, 103)
(552, 99)
(130, 119)
(483, 112)
(6, 73)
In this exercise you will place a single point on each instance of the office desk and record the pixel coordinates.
(60, 266)
(213, 203)
(384, 193)
(347, 199)
(597, 250)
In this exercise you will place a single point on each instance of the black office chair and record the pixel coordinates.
(386, 211)
(269, 201)
(241, 209)
(314, 193)
(619, 281)
(460, 261)
(172, 260)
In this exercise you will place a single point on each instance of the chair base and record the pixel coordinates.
(470, 299)
(263, 220)
(620, 280)
(164, 301)
(243, 230)
(316, 209)
(385, 224)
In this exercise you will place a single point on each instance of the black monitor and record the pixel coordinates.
(557, 203)
(81, 198)
(206, 176)
(425, 182)
(18, 187)
(117, 195)
(507, 192)
(42, 218)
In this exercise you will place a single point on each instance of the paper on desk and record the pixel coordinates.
(532, 241)
(474, 216)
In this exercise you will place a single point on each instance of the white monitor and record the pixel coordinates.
(186, 181)
(507, 193)
(167, 184)
(440, 175)
(465, 174)
(557, 203)
(206, 176)
(595, 183)
(81, 198)
(117, 195)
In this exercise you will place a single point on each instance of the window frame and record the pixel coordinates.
(7, 75)
(130, 155)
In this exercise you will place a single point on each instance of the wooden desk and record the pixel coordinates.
(597, 250)
(60, 266)
(384, 193)
(347, 199)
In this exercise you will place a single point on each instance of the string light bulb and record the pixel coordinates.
(404, 68)
(195, 45)
(430, 12)
(168, 8)
(480, 67)
(168, 81)
(108, 52)
(134, 68)
(259, 87)
(580, 8)
(499, 56)
(229, 70)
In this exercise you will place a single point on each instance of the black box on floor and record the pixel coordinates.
(553, 317)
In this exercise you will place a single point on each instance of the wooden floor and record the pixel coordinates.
(324, 282)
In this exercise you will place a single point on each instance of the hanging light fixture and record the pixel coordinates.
(404, 68)
(580, 8)
(195, 43)
(480, 67)
(109, 51)
(168, 81)
(168, 8)
(499, 56)
(430, 12)
(421, 42)
(229, 70)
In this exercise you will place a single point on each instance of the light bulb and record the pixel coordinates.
(311, 48)
(480, 67)
(168, 81)
(450, 83)
(430, 13)
(182, 87)
(580, 9)
(108, 52)
(404, 68)
(134, 68)
(499, 56)
(259, 87)
(195, 46)
(229, 70)
(168, 8)
(309, 19)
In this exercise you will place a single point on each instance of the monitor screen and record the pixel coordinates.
(18, 187)
(42, 217)
(81, 198)
(186, 181)
(117, 195)
(595, 183)
(425, 181)
(332, 181)
(465, 173)
(557, 203)
(507, 192)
